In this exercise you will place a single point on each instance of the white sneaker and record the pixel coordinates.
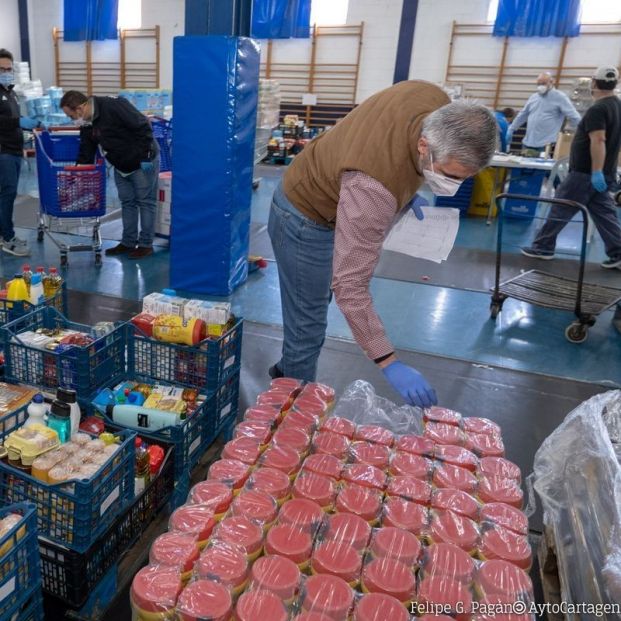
(17, 247)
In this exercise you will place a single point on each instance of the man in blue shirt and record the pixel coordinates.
(543, 114)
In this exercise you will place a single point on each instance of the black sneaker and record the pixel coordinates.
(616, 320)
(533, 253)
(275, 372)
(610, 264)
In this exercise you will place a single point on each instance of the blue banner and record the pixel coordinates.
(538, 18)
(90, 20)
(281, 19)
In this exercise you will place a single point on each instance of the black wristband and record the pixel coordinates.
(382, 358)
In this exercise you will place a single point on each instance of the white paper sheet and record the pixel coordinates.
(432, 238)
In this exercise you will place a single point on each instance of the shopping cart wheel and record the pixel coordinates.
(98, 261)
(576, 332)
(494, 309)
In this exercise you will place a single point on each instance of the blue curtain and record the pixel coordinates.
(538, 18)
(281, 19)
(90, 20)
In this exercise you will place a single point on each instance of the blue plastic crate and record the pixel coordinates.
(529, 182)
(10, 311)
(32, 610)
(19, 561)
(76, 513)
(162, 132)
(83, 369)
(204, 367)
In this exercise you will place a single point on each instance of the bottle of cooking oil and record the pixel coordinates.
(52, 283)
(27, 274)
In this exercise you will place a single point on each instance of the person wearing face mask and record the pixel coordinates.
(337, 202)
(11, 153)
(125, 137)
(544, 114)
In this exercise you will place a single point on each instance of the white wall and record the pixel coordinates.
(9, 28)
(43, 15)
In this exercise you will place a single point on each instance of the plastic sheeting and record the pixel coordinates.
(578, 477)
(281, 19)
(216, 81)
(90, 20)
(537, 18)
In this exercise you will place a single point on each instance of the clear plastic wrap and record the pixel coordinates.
(293, 437)
(258, 430)
(449, 527)
(225, 563)
(231, 472)
(365, 476)
(244, 449)
(337, 558)
(255, 604)
(379, 607)
(282, 458)
(328, 443)
(316, 487)
(341, 426)
(325, 465)
(213, 494)
(391, 577)
(257, 506)
(177, 550)
(277, 574)
(363, 501)
(271, 481)
(205, 599)
(242, 532)
(346, 527)
(303, 514)
(404, 514)
(395, 543)
(195, 520)
(327, 595)
(363, 452)
(292, 542)
(299, 419)
(155, 591)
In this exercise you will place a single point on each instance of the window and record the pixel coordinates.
(329, 12)
(130, 14)
(593, 11)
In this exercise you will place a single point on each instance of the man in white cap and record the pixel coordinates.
(592, 170)
(543, 114)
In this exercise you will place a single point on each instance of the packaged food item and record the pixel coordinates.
(417, 445)
(329, 443)
(271, 481)
(375, 434)
(144, 322)
(325, 465)
(365, 476)
(257, 506)
(163, 303)
(397, 544)
(473, 424)
(298, 419)
(13, 397)
(445, 593)
(437, 414)
(253, 605)
(253, 429)
(286, 383)
(409, 488)
(377, 455)
(303, 514)
(291, 542)
(501, 468)
(311, 404)
(407, 515)
(278, 575)
(441, 433)
(457, 456)
(239, 530)
(484, 445)
(155, 591)
(317, 488)
(195, 520)
(447, 560)
(448, 527)
(226, 564)
(276, 399)
(390, 577)
(498, 577)
(495, 489)
(341, 426)
(347, 527)
(337, 558)
(27, 443)
(364, 502)
(502, 544)
(380, 607)
(176, 550)
(406, 464)
(282, 458)
(326, 393)
(456, 501)
(263, 414)
(244, 449)
(205, 599)
(231, 472)
(506, 516)
(294, 438)
(454, 477)
(329, 596)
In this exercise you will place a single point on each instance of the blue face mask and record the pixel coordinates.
(6, 79)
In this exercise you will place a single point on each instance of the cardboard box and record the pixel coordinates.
(563, 145)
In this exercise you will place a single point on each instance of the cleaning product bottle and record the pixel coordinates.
(37, 411)
(143, 467)
(59, 420)
(36, 291)
(52, 283)
(138, 417)
(70, 397)
(27, 274)
(17, 290)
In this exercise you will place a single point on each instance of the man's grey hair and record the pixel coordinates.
(465, 132)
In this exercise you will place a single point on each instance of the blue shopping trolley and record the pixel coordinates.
(68, 191)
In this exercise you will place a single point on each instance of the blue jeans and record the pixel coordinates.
(10, 165)
(303, 251)
(138, 196)
(577, 187)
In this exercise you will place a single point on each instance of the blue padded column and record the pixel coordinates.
(216, 81)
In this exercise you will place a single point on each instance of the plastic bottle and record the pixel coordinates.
(59, 420)
(27, 274)
(36, 291)
(17, 290)
(52, 283)
(143, 467)
(173, 329)
(70, 397)
(37, 411)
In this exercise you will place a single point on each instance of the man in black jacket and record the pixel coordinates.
(126, 139)
(11, 153)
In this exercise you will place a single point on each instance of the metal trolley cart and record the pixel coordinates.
(587, 301)
(68, 191)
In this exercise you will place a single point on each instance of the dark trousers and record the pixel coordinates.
(10, 165)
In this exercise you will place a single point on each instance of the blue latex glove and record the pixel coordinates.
(146, 166)
(26, 122)
(509, 139)
(410, 384)
(598, 181)
(415, 205)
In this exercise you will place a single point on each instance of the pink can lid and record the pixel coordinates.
(347, 527)
(223, 562)
(326, 465)
(405, 514)
(454, 477)
(239, 530)
(407, 464)
(331, 444)
(436, 414)
(457, 456)
(391, 577)
(303, 420)
(292, 437)
(503, 544)
(213, 494)
(409, 488)
(417, 445)
(277, 574)
(282, 458)
(311, 404)
(500, 467)
(377, 455)
(440, 433)
(231, 472)
(484, 445)
(176, 550)
(156, 589)
(498, 577)
(328, 595)
(305, 514)
(448, 560)
(196, 520)
(205, 599)
(254, 605)
(495, 489)
(278, 399)
(362, 501)
(258, 430)
(255, 505)
(375, 434)
(342, 426)
(271, 481)
(315, 487)
(289, 541)
(448, 527)
(264, 414)
(380, 607)
(365, 476)
(456, 501)
(244, 449)
(324, 392)
(396, 543)
(337, 559)
(476, 424)
(506, 516)
(285, 383)
(441, 590)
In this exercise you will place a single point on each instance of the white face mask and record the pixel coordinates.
(439, 184)
(6, 79)
(79, 122)
(542, 89)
